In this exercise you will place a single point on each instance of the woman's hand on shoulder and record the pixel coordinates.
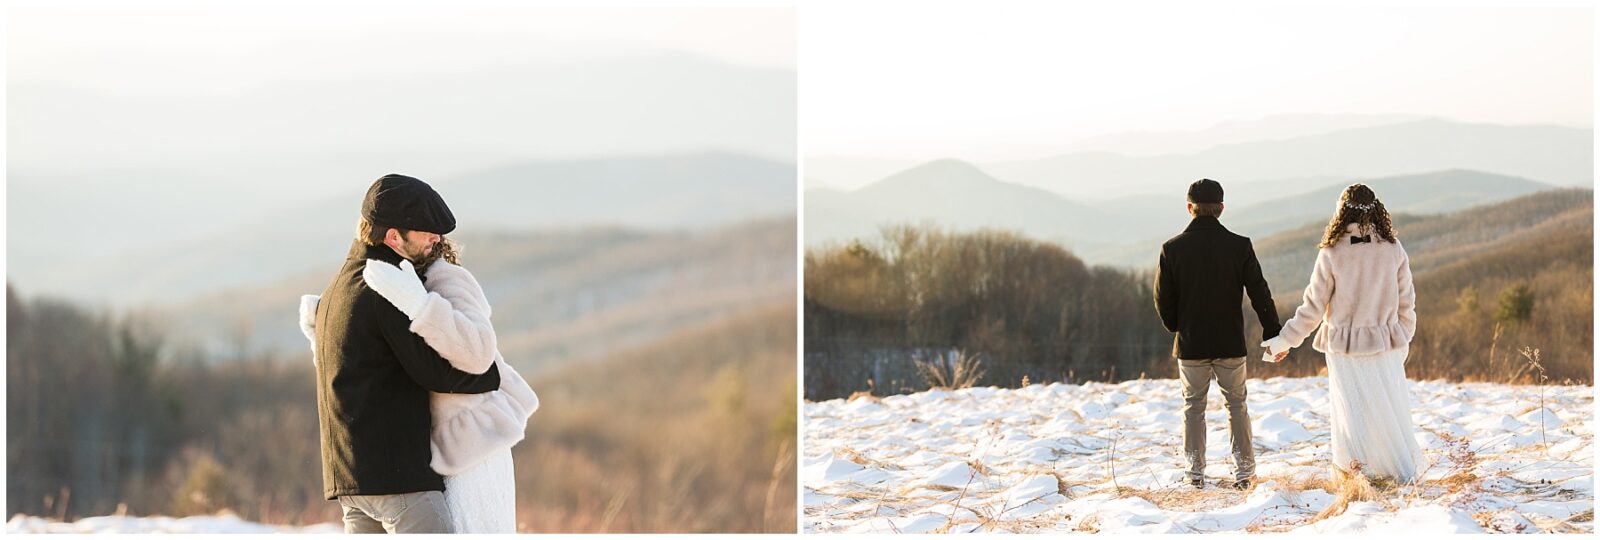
(397, 284)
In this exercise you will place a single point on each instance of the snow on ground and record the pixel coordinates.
(222, 523)
(1106, 457)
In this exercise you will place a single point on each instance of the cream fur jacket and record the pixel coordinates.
(467, 428)
(1361, 295)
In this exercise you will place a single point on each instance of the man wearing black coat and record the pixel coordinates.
(1198, 295)
(374, 375)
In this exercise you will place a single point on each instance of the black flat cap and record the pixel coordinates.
(403, 202)
(1205, 190)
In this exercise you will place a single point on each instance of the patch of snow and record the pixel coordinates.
(1371, 518)
(1117, 449)
(955, 475)
(221, 523)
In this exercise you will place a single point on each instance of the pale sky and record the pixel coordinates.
(1001, 81)
(165, 47)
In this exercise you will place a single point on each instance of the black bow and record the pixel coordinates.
(1359, 239)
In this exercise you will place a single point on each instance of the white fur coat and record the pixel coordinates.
(1362, 297)
(467, 428)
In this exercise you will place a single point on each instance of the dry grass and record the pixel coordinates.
(1348, 486)
(962, 371)
(864, 394)
(694, 433)
(850, 454)
(1089, 524)
(1183, 498)
(1031, 524)
(1063, 487)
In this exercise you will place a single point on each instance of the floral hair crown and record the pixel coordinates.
(1361, 207)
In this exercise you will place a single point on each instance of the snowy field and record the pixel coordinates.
(1106, 458)
(225, 523)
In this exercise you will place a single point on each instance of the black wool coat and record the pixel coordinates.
(373, 380)
(1198, 291)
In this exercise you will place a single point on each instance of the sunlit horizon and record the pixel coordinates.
(1045, 77)
(219, 49)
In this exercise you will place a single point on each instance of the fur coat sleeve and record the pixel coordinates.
(455, 319)
(1314, 304)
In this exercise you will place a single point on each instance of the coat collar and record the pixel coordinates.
(360, 250)
(1204, 223)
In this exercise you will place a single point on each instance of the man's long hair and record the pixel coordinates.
(1358, 204)
(372, 234)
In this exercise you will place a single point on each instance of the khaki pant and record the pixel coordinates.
(420, 512)
(1196, 376)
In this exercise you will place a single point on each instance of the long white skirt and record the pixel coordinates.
(483, 499)
(1371, 424)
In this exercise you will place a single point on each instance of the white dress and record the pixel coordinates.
(1371, 422)
(1363, 299)
(484, 498)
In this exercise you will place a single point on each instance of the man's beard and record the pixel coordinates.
(415, 252)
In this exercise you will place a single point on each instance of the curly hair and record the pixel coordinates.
(445, 249)
(1358, 204)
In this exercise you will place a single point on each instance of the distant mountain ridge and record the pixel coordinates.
(952, 193)
(1429, 193)
(1123, 232)
(557, 295)
(1556, 155)
(694, 191)
(853, 171)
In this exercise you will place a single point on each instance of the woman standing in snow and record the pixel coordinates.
(1361, 295)
(472, 433)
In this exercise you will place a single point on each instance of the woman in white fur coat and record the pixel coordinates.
(472, 433)
(1362, 297)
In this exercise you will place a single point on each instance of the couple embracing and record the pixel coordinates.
(1360, 294)
(418, 410)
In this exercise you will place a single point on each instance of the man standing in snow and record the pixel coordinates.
(1198, 287)
(374, 374)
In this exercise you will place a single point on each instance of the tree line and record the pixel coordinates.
(105, 415)
(877, 309)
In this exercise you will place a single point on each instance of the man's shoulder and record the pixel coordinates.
(1178, 239)
(1203, 235)
(1206, 240)
(357, 296)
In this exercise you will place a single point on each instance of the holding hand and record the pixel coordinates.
(399, 285)
(1275, 349)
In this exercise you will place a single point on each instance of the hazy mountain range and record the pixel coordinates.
(849, 172)
(1270, 150)
(182, 167)
(1430, 193)
(141, 263)
(951, 193)
(557, 295)
(1127, 231)
(1555, 155)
